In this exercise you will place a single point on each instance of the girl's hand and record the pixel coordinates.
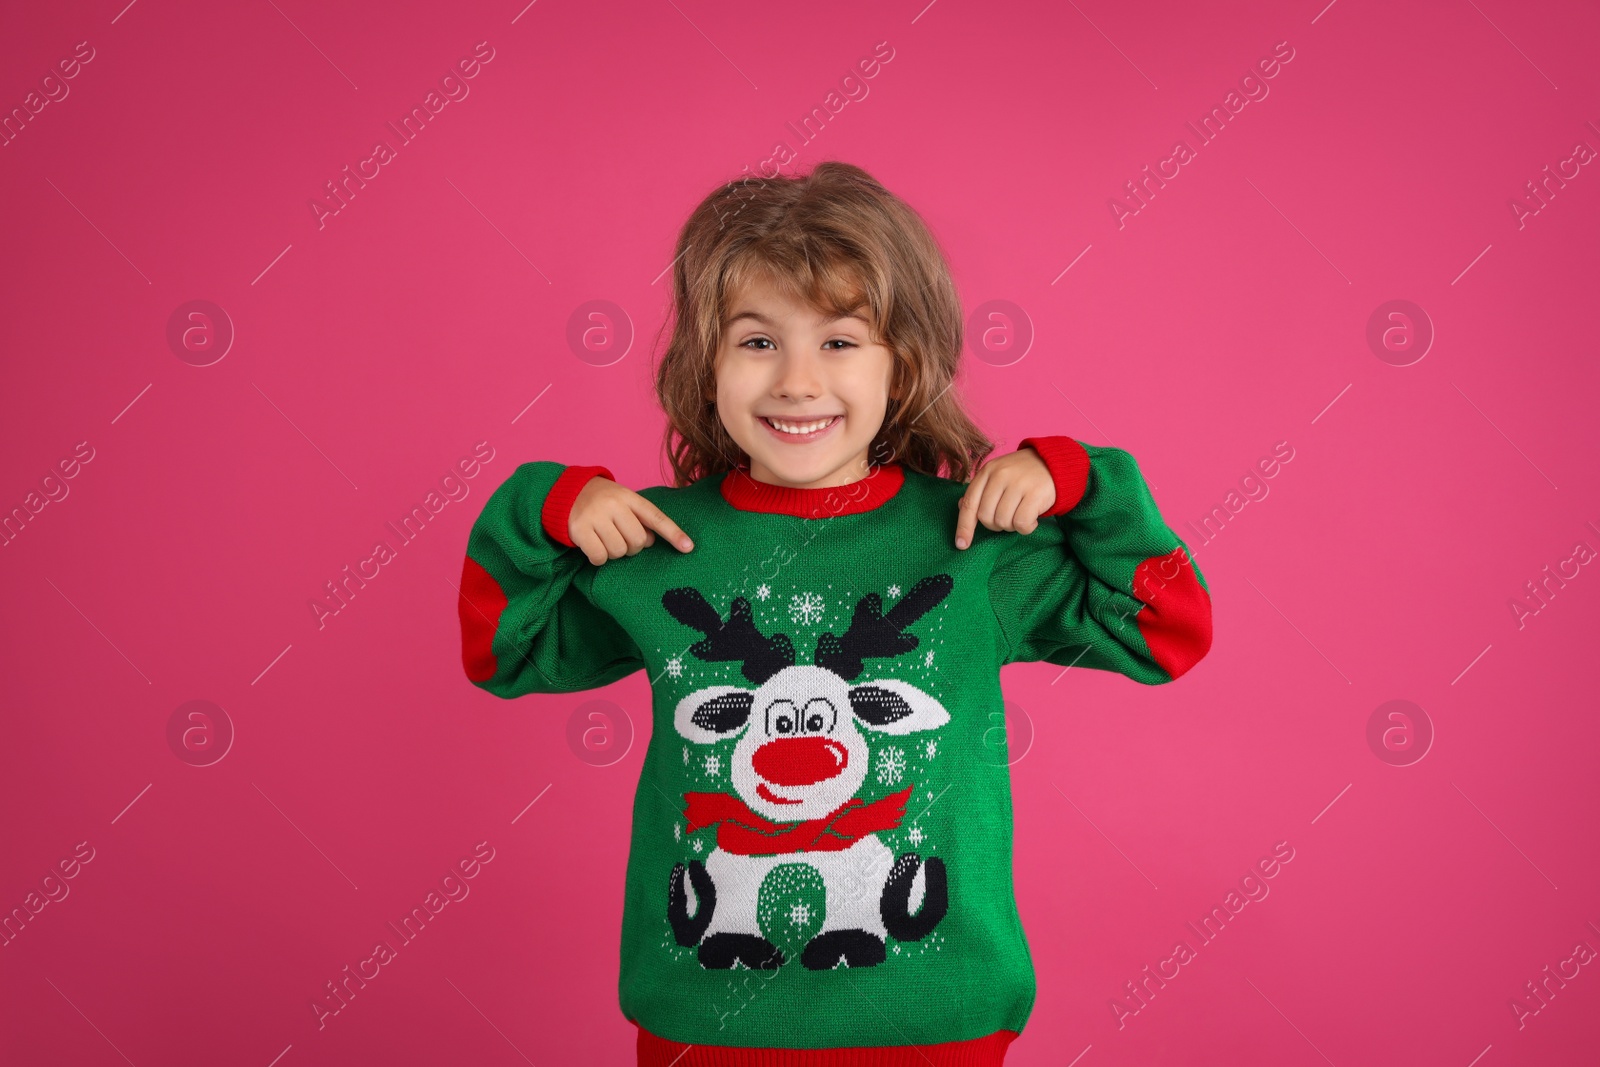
(1006, 494)
(609, 521)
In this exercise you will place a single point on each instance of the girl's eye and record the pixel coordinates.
(763, 340)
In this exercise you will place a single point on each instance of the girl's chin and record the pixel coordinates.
(795, 473)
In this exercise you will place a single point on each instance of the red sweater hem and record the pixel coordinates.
(986, 1051)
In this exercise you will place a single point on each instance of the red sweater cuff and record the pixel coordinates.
(1069, 469)
(558, 502)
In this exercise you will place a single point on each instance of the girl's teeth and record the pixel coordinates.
(798, 427)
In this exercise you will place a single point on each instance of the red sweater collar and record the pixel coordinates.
(747, 494)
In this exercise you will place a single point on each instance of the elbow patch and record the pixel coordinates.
(1176, 618)
(481, 603)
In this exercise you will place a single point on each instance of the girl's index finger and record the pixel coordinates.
(967, 517)
(657, 520)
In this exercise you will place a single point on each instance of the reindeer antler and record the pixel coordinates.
(874, 634)
(737, 639)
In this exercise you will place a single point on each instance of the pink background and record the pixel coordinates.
(1229, 314)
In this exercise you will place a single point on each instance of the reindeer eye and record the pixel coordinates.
(783, 717)
(820, 715)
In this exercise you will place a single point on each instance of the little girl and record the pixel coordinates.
(820, 865)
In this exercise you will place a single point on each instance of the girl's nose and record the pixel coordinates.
(798, 379)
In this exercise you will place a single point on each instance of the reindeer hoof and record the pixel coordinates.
(857, 948)
(896, 904)
(686, 928)
(721, 951)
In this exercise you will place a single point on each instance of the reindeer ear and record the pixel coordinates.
(711, 714)
(892, 706)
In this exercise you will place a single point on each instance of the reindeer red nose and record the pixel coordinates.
(800, 760)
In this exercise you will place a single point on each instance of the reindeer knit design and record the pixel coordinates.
(821, 842)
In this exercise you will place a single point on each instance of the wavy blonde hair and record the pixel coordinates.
(839, 241)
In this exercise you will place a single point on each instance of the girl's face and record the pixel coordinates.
(782, 367)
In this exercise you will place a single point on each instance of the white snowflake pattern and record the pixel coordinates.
(805, 609)
(894, 590)
(915, 836)
(686, 755)
(930, 749)
(675, 666)
(699, 846)
(713, 763)
(677, 831)
(763, 591)
(891, 765)
(799, 914)
(927, 661)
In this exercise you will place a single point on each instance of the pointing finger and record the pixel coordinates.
(967, 520)
(657, 520)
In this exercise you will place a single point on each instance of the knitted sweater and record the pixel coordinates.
(821, 841)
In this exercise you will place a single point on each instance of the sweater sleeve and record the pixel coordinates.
(528, 623)
(1103, 582)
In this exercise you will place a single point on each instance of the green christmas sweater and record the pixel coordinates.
(821, 840)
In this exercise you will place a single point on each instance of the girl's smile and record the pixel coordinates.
(800, 431)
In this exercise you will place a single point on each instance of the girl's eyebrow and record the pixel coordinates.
(756, 315)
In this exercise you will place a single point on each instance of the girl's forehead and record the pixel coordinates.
(830, 282)
(756, 302)
(763, 288)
